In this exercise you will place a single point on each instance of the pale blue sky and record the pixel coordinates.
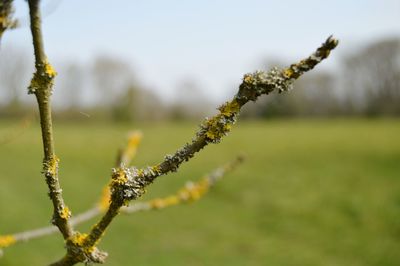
(213, 42)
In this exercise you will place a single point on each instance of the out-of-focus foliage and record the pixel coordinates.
(6, 20)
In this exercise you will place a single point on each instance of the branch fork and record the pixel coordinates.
(129, 183)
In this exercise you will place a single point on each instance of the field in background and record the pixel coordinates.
(311, 192)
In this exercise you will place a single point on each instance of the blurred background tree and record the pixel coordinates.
(108, 89)
(372, 79)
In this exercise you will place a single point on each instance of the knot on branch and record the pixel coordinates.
(129, 183)
(43, 79)
(78, 251)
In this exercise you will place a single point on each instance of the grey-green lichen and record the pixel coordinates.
(254, 85)
(213, 129)
(262, 82)
(129, 183)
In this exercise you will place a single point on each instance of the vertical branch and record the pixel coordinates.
(41, 85)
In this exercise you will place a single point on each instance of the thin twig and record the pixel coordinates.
(128, 184)
(124, 156)
(41, 85)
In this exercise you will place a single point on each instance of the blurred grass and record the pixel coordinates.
(311, 192)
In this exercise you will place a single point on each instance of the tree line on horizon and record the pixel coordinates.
(367, 83)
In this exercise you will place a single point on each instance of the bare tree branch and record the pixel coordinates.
(41, 85)
(129, 183)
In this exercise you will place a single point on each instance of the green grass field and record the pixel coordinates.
(311, 192)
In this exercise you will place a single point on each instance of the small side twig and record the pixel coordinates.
(193, 191)
(124, 156)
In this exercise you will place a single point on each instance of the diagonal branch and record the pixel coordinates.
(129, 183)
(41, 85)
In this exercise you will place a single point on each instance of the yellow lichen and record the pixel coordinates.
(65, 213)
(79, 239)
(6, 241)
(193, 192)
(49, 70)
(227, 127)
(42, 79)
(156, 204)
(194, 195)
(50, 166)
(248, 78)
(119, 177)
(156, 168)
(211, 135)
(288, 72)
(53, 164)
(230, 108)
(164, 202)
(104, 202)
(129, 153)
(171, 200)
(219, 126)
(134, 139)
(140, 172)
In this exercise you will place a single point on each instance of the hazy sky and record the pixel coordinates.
(211, 42)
